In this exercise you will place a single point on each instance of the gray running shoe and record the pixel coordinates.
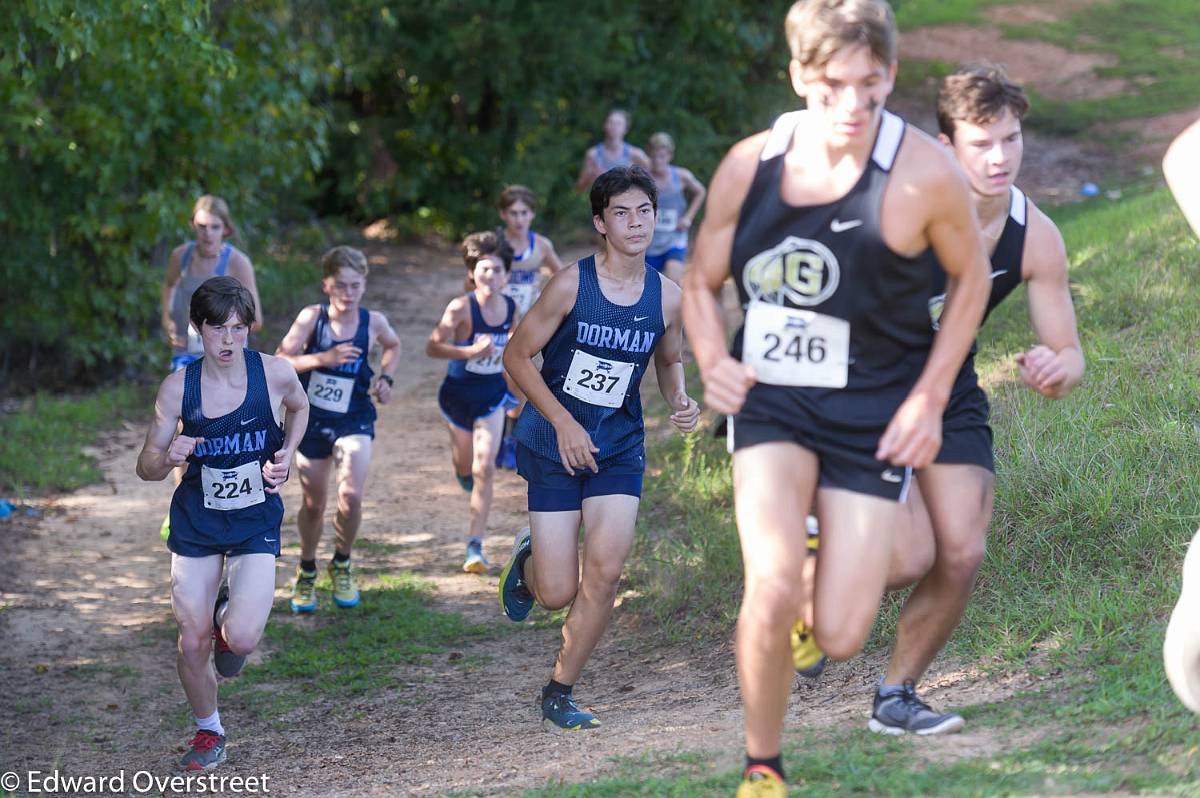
(225, 661)
(205, 751)
(903, 712)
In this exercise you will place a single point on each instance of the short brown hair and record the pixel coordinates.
(217, 299)
(817, 29)
(978, 93)
(478, 246)
(516, 193)
(661, 141)
(344, 257)
(218, 208)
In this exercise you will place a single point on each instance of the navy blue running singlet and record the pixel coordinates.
(593, 364)
(338, 391)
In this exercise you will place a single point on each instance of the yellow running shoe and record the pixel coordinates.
(345, 592)
(304, 591)
(759, 781)
(808, 659)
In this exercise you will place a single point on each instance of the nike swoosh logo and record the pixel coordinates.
(999, 272)
(268, 540)
(246, 421)
(841, 227)
(891, 476)
(640, 318)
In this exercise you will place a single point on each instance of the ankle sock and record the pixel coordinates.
(212, 723)
(775, 763)
(339, 557)
(309, 566)
(556, 688)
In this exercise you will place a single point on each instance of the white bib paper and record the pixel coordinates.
(492, 362)
(521, 293)
(598, 381)
(668, 220)
(796, 347)
(329, 392)
(195, 344)
(233, 488)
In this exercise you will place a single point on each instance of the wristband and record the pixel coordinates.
(388, 379)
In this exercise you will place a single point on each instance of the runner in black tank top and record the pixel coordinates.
(942, 540)
(227, 509)
(329, 345)
(840, 387)
(581, 437)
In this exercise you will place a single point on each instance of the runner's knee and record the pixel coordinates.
(240, 638)
(483, 468)
(552, 595)
(349, 498)
(195, 642)
(961, 560)
(772, 602)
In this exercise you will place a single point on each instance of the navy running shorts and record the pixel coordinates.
(200, 532)
(966, 435)
(323, 433)
(552, 489)
(464, 403)
(659, 262)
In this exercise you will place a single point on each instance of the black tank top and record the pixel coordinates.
(831, 259)
(1006, 262)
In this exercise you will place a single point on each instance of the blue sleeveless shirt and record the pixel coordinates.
(593, 364)
(244, 439)
(330, 390)
(489, 368)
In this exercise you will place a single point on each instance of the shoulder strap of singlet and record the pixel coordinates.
(600, 159)
(186, 260)
(191, 409)
(625, 150)
(512, 309)
(1018, 209)
(362, 336)
(256, 383)
(780, 137)
(223, 263)
(477, 320)
(314, 337)
(887, 143)
(675, 176)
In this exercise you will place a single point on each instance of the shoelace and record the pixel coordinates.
(341, 578)
(204, 741)
(909, 696)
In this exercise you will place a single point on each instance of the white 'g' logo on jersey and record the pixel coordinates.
(797, 270)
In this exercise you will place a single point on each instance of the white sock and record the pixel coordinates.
(212, 723)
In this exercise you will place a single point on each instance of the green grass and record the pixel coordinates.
(42, 437)
(1096, 500)
(341, 654)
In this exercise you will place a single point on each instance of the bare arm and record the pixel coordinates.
(241, 269)
(1182, 167)
(283, 382)
(162, 451)
(914, 435)
(551, 264)
(381, 331)
(639, 157)
(291, 348)
(588, 172)
(668, 363)
(1055, 365)
(726, 381)
(575, 446)
(694, 187)
(170, 281)
(455, 321)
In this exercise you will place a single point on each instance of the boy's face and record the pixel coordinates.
(489, 273)
(989, 153)
(344, 289)
(660, 158)
(615, 126)
(223, 343)
(628, 222)
(517, 217)
(210, 232)
(848, 94)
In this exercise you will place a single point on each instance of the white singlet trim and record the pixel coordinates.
(891, 132)
(1017, 208)
(781, 135)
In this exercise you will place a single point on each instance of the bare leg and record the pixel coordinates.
(959, 498)
(352, 456)
(551, 571)
(310, 521)
(460, 450)
(913, 547)
(194, 584)
(773, 486)
(1181, 648)
(251, 594)
(484, 445)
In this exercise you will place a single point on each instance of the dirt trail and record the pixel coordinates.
(88, 644)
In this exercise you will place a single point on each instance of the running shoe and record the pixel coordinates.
(205, 751)
(808, 660)
(903, 712)
(225, 661)
(507, 456)
(345, 592)
(559, 711)
(515, 597)
(759, 781)
(304, 591)
(1181, 648)
(467, 483)
(475, 562)
(164, 531)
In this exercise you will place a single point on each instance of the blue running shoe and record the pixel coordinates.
(467, 483)
(507, 456)
(559, 711)
(515, 597)
(227, 663)
(475, 562)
